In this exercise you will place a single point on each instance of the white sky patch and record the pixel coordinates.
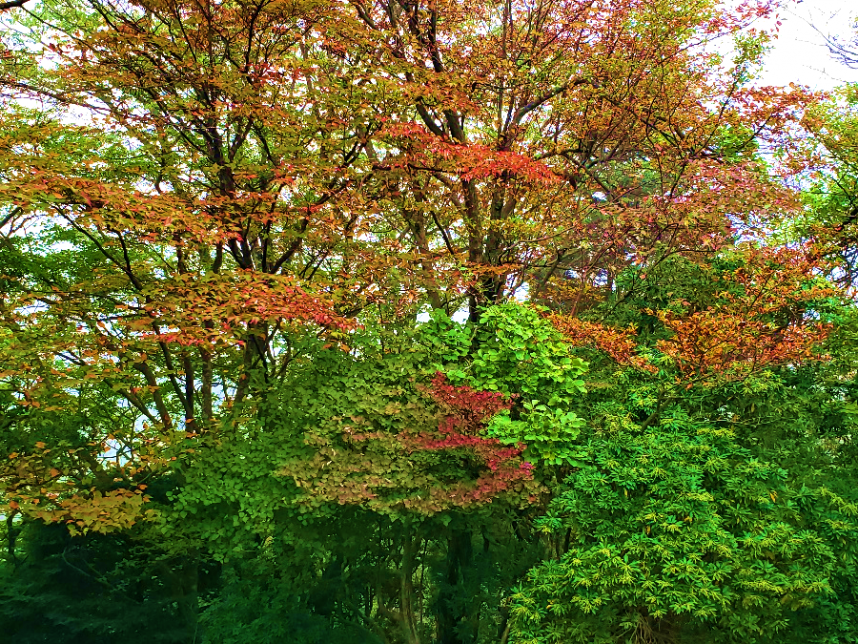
(799, 54)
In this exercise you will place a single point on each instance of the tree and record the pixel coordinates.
(211, 283)
(708, 501)
(241, 160)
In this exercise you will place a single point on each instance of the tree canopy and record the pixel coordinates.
(441, 322)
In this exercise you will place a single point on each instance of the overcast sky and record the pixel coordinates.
(799, 54)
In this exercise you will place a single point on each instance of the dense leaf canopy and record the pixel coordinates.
(402, 322)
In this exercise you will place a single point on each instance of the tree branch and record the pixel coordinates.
(12, 4)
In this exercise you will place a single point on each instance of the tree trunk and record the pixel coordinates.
(452, 602)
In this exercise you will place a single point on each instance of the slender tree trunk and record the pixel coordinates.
(406, 597)
(452, 611)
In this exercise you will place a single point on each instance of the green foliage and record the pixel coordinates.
(701, 509)
(85, 589)
(345, 428)
(679, 529)
(520, 354)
